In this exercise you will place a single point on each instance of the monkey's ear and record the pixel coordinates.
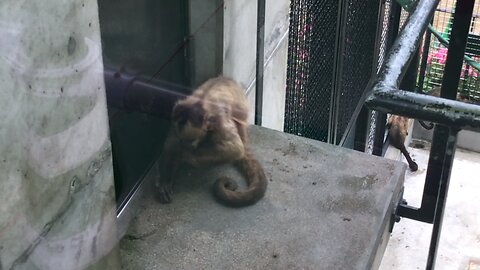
(388, 125)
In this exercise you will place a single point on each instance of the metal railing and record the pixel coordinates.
(449, 115)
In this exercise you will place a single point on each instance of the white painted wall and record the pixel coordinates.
(240, 30)
(466, 139)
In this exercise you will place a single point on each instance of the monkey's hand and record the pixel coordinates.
(166, 167)
(164, 192)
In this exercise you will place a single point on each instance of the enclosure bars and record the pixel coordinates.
(451, 115)
(445, 135)
(393, 24)
(259, 62)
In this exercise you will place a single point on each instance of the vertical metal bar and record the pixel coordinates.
(434, 173)
(338, 71)
(456, 48)
(447, 163)
(361, 128)
(423, 64)
(451, 79)
(380, 123)
(394, 25)
(260, 62)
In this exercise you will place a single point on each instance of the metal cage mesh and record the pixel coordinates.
(309, 71)
(382, 52)
(469, 86)
(329, 65)
(358, 58)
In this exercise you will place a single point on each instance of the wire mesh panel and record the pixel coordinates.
(309, 72)
(358, 57)
(382, 52)
(330, 61)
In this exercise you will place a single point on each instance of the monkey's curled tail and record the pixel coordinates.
(225, 189)
(426, 126)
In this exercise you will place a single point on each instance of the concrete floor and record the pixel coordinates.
(459, 246)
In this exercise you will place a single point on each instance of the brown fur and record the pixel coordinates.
(397, 132)
(210, 128)
(398, 128)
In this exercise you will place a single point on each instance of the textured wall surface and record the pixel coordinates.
(206, 42)
(240, 34)
(58, 209)
(275, 73)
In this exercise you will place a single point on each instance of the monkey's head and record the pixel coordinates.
(189, 120)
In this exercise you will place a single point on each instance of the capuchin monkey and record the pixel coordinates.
(397, 132)
(210, 128)
(398, 128)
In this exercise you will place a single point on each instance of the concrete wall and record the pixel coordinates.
(239, 48)
(58, 208)
(466, 139)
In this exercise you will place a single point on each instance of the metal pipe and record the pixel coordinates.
(439, 110)
(135, 93)
(387, 98)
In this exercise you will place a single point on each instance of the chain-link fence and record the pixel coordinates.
(469, 87)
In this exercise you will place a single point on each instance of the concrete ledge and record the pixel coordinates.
(326, 208)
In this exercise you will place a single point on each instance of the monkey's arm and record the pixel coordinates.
(167, 166)
(222, 147)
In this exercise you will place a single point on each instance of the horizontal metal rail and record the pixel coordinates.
(419, 106)
(386, 97)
